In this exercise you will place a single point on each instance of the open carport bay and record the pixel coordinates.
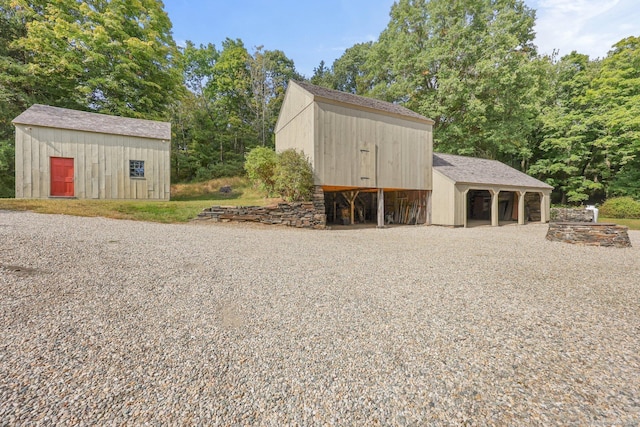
(105, 321)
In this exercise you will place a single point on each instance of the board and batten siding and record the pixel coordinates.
(298, 134)
(101, 163)
(398, 151)
(443, 200)
(355, 146)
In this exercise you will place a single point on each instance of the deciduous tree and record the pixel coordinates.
(113, 57)
(468, 64)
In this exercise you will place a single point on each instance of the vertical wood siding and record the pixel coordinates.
(402, 148)
(298, 134)
(460, 206)
(101, 164)
(443, 200)
(355, 148)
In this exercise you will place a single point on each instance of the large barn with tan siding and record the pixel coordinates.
(77, 154)
(375, 163)
(371, 158)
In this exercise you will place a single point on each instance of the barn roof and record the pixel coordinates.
(360, 101)
(63, 118)
(472, 170)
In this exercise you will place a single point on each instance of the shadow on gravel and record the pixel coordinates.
(21, 271)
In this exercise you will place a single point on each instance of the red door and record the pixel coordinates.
(62, 176)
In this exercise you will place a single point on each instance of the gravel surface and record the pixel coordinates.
(116, 322)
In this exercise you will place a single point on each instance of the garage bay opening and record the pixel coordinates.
(360, 206)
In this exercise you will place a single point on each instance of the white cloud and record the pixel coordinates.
(587, 26)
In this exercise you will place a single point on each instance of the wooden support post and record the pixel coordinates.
(544, 207)
(465, 205)
(380, 208)
(521, 213)
(428, 220)
(494, 207)
(352, 203)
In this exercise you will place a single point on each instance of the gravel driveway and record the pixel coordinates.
(116, 322)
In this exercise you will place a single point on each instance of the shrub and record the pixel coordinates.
(260, 165)
(620, 207)
(294, 176)
(7, 169)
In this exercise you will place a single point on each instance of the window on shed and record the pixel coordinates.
(136, 168)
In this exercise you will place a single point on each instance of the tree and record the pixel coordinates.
(199, 142)
(470, 65)
(114, 57)
(322, 76)
(233, 105)
(614, 97)
(566, 155)
(288, 173)
(591, 132)
(16, 90)
(270, 71)
(260, 165)
(350, 71)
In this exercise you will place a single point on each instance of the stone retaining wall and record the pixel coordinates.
(595, 234)
(298, 214)
(571, 215)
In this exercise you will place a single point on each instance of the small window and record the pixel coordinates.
(136, 168)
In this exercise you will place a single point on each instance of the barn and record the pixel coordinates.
(374, 162)
(371, 158)
(468, 190)
(77, 154)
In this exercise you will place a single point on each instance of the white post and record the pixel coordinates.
(465, 205)
(521, 213)
(494, 208)
(545, 205)
(428, 207)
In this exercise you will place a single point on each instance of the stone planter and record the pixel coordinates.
(589, 234)
(571, 215)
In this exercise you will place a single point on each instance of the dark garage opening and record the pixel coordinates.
(478, 207)
(532, 206)
(400, 207)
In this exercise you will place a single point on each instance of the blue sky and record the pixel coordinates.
(310, 31)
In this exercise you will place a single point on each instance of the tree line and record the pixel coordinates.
(471, 65)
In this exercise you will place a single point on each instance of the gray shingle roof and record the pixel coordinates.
(360, 101)
(472, 170)
(63, 118)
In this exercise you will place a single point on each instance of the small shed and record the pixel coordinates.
(69, 153)
(371, 158)
(468, 190)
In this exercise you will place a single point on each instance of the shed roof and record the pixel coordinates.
(472, 170)
(360, 101)
(64, 118)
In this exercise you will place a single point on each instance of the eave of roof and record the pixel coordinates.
(472, 170)
(64, 118)
(371, 104)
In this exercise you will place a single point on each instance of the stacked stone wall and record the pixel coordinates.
(297, 214)
(595, 234)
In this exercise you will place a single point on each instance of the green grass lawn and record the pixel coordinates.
(187, 201)
(633, 224)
